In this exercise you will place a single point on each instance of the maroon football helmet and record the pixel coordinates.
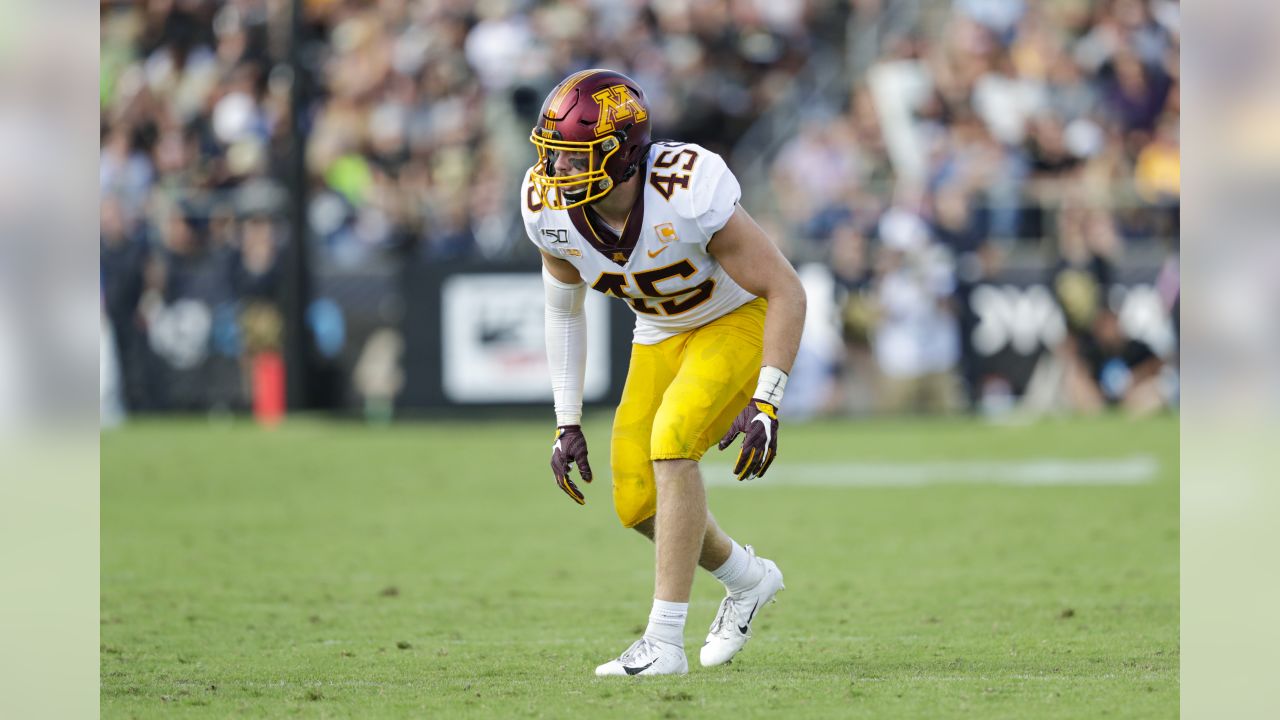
(597, 112)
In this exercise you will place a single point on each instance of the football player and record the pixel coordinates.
(719, 312)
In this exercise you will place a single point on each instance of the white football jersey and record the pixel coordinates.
(660, 264)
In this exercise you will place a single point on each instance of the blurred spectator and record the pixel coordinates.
(916, 342)
(855, 294)
(1087, 253)
(814, 175)
(963, 230)
(1006, 100)
(1134, 92)
(124, 255)
(1158, 177)
(1109, 368)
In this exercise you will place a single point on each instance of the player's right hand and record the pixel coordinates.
(570, 447)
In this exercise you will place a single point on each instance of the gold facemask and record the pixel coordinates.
(594, 181)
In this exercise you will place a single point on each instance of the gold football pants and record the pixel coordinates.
(681, 395)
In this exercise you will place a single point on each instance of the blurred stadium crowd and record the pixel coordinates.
(916, 149)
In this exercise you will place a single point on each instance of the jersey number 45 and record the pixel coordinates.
(667, 184)
(646, 282)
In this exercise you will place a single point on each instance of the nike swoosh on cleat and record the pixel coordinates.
(638, 670)
(744, 628)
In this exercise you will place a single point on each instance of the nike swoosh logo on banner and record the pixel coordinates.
(638, 670)
(768, 428)
(656, 254)
(744, 628)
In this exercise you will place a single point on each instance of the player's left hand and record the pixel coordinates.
(570, 447)
(760, 444)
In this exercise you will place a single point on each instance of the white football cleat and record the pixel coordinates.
(647, 657)
(732, 627)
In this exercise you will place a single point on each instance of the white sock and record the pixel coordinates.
(666, 622)
(738, 573)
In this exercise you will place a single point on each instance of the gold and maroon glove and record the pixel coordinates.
(760, 443)
(570, 447)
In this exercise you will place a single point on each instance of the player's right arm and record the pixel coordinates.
(566, 332)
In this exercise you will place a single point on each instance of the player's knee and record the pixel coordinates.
(670, 441)
(628, 454)
(635, 495)
(634, 491)
(636, 511)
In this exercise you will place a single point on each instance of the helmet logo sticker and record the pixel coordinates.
(617, 103)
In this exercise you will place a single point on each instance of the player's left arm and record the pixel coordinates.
(754, 262)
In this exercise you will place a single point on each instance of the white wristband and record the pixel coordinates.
(770, 386)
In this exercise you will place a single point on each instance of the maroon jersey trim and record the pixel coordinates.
(602, 238)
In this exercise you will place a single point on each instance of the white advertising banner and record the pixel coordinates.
(494, 346)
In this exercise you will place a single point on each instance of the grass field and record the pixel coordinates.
(434, 570)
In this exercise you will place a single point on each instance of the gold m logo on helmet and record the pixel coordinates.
(616, 103)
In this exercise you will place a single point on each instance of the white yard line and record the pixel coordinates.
(1034, 472)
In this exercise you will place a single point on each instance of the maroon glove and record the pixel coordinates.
(760, 444)
(570, 447)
